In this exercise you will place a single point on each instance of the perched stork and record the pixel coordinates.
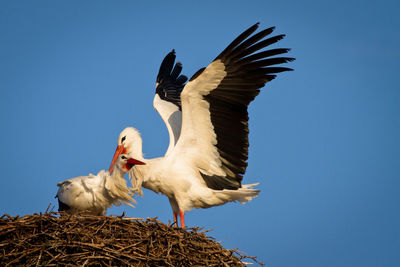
(93, 194)
(207, 121)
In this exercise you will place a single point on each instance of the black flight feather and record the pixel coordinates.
(248, 69)
(169, 81)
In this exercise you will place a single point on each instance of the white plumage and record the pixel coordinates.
(207, 121)
(93, 194)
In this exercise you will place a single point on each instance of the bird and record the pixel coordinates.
(93, 194)
(207, 122)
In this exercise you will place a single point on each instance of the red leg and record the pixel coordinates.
(182, 214)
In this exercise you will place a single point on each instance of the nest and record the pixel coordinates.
(54, 238)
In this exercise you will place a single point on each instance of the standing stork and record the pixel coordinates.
(207, 121)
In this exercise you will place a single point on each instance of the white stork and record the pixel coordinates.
(207, 121)
(93, 194)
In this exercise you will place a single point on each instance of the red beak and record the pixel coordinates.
(120, 150)
(135, 162)
(132, 162)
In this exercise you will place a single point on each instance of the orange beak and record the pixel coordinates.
(120, 150)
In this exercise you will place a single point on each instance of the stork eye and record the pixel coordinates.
(123, 157)
(123, 139)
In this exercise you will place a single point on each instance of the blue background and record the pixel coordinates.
(324, 139)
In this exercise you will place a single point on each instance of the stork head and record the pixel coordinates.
(130, 143)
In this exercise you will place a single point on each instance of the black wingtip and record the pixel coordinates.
(280, 37)
(181, 79)
(170, 82)
(239, 39)
(277, 69)
(166, 66)
(252, 28)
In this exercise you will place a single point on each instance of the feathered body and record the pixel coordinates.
(94, 194)
(179, 180)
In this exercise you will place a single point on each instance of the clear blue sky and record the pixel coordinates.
(324, 139)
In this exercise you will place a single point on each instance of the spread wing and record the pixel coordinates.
(167, 100)
(214, 135)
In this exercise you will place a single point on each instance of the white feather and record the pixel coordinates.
(172, 117)
(93, 194)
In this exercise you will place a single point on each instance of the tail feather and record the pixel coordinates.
(220, 197)
(243, 194)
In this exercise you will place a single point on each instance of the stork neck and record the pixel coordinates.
(118, 173)
(135, 150)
